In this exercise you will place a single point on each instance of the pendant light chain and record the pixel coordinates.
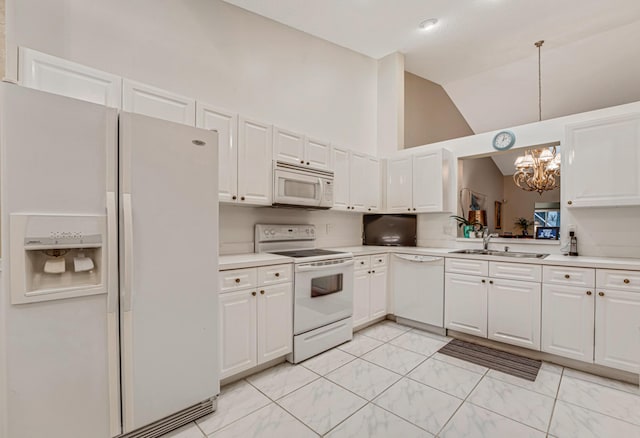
(539, 46)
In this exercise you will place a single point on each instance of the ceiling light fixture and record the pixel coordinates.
(428, 24)
(538, 170)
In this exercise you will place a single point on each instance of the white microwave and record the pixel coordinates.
(298, 186)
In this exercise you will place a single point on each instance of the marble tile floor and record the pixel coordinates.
(389, 381)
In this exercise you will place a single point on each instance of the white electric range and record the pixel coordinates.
(323, 288)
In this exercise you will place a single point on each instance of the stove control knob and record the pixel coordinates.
(313, 231)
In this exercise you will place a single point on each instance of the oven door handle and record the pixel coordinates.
(310, 268)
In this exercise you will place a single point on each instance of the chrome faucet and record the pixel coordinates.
(486, 236)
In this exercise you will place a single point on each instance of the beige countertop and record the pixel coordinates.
(250, 260)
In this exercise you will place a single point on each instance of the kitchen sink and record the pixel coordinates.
(524, 255)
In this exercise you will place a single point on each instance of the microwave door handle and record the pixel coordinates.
(321, 191)
(309, 268)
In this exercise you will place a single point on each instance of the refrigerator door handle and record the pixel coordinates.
(112, 254)
(128, 252)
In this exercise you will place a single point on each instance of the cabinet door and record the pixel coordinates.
(378, 293)
(255, 162)
(567, 321)
(317, 154)
(288, 146)
(427, 182)
(399, 185)
(154, 102)
(601, 162)
(237, 332)
(341, 179)
(59, 76)
(226, 124)
(361, 303)
(275, 322)
(465, 306)
(358, 181)
(617, 322)
(372, 191)
(513, 313)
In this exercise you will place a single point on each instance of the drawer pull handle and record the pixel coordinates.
(261, 292)
(237, 280)
(567, 276)
(253, 293)
(589, 292)
(601, 294)
(626, 281)
(277, 274)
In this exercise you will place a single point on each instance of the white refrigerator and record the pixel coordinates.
(108, 310)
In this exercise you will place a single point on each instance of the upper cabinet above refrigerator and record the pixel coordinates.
(154, 102)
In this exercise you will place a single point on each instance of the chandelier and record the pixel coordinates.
(538, 170)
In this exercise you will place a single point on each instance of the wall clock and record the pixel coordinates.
(504, 140)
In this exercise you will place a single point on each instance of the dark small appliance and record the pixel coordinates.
(389, 229)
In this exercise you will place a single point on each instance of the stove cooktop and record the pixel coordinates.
(300, 253)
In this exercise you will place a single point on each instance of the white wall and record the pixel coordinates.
(610, 232)
(333, 228)
(215, 52)
(595, 72)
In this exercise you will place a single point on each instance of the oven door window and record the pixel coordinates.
(322, 286)
(293, 188)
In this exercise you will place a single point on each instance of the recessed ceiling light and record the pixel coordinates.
(428, 24)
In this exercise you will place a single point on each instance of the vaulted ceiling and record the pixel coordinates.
(482, 51)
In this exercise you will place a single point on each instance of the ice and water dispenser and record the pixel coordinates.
(55, 257)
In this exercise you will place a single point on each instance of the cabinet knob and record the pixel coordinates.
(308, 163)
(253, 293)
(589, 292)
(301, 161)
(601, 294)
(626, 281)
(567, 276)
(484, 281)
(490, 281)
(362, 263)
(569, 202)
(277, 274)
(237, 280)
(368, 272)
(261, 292)
(368, 209)
(242, 198)
(373, 271)
(414, 209)
(408, 209)
(234, 197)
(379, 260)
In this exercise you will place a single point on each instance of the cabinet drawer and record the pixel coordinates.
(569, 276)
(275, 274)
(238, 279)
(515, 271)
(621, 280)
(379, 260)
(467, 266)
(361, 262)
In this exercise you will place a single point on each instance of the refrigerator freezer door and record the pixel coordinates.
(168, 267)
(62, 354)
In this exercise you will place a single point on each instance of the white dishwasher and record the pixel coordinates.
(418, 288)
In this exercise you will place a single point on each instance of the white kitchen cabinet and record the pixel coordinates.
(617, 320)
(466, 304)
(238, 331)
(419, 183)
(399, 184)
(155, 102)
(294, 148)
(600, 162)
(513, 312)
(369, 289)
(275, 322)
(255, 166)
(59, 76)
(256, 317)
(226, 124)
(568, 321)
(356, 181)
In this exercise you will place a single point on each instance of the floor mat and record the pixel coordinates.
(509, 363)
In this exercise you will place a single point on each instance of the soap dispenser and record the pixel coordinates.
(573, 244)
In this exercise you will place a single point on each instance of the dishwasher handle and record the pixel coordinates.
(418, 258)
